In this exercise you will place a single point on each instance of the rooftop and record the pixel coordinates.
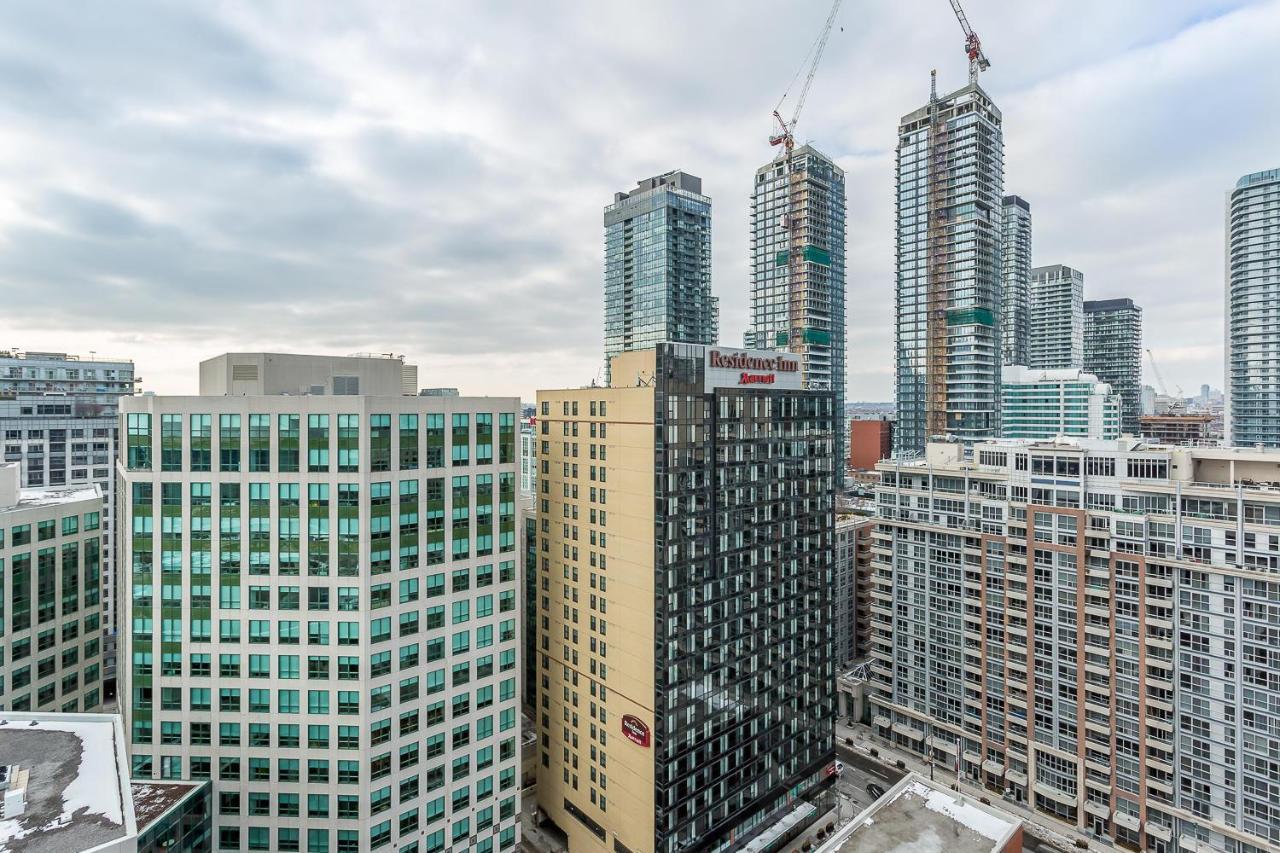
(14, 498)
(1263, 177)
(62, 356)
(919, 816)
(152, 799)
(78, 772)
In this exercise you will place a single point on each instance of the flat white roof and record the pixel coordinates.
(78, 791)
(919, 816)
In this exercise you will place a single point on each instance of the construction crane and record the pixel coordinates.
(972, 45)
(785, 135)
(1160, 379)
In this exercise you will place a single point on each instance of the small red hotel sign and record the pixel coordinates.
(635, 730)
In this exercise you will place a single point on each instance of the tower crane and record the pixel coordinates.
(1164, 389)
(972, 45)
(785, 136)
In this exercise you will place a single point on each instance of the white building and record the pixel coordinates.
(1092, 628)
(51, 565)
(323, 607)
(1057, 318)
(528, 456)
(1049, 403)
(1252, 326)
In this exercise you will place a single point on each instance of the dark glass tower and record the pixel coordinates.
(657, 266)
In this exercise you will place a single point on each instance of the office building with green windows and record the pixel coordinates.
(321, 606)
(50, 596)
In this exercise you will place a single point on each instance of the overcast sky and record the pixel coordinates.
(427, 178)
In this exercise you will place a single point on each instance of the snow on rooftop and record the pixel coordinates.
(963, 811)
(61, 495)
(918, 816)
(71, 799)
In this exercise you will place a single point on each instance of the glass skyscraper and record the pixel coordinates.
(657, 266)
(1253, 321)
(1015, 272)
(1057, 318)
(1113, 352)
(797, 304)
(950, 179)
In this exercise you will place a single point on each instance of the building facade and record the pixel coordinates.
(1113, 353)
(851, 591)
(322, 604)
(657, 266)
(1015, 273)
(1044, 404)
(1057, 318)
(869, 442)
(798, 291)
(528, 456)
(950, 180)
(58, 418)
(684, 570)
(51, 566)
(1091, 628)
(1253, 328)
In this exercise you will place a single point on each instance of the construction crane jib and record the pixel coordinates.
(785, 136)
(972, 45)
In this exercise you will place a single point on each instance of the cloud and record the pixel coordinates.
(181, 179)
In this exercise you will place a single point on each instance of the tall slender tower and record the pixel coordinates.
(1015, 272)
(1057, 318)
(657, 266)
(1113, 352)
(797, 303)
(950, 177)
(1253, 292)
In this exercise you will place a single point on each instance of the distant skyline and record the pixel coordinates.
(184, 180)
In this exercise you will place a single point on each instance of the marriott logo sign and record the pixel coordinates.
(743, 361)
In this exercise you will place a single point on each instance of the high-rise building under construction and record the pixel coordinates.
(798, 268)
(950, 179)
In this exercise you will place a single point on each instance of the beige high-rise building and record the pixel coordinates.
(685, 524)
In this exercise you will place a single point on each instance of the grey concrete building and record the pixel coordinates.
(1252, 323)
(1015, 274)
(1113, 353)
(950, 183)
(657, 266)
(58, 419)
(1057, 318)
(51, 567)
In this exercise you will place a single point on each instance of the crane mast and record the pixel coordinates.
(972, 45)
